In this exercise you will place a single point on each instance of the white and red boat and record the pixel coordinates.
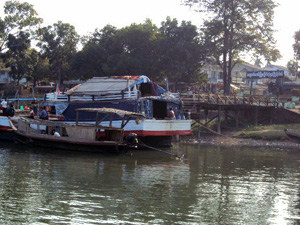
(131, 93)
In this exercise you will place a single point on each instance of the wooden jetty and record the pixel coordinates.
(244, 110)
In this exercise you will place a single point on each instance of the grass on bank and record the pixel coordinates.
(262, 132)
(267, 132)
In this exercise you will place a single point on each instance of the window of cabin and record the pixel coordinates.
(160, 109)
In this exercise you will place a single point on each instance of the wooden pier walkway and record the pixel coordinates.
(243, 110)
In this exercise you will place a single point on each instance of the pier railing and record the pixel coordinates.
(216, 99)
(107, 96)
(117, 95)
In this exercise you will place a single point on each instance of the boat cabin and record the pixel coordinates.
(131, 93)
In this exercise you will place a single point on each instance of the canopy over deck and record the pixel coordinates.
(119, 112)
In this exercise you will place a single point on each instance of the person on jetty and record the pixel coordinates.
(4, 106)
(171, 114)
(43, 114)
(10, 111)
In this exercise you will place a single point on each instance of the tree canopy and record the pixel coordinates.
(17, 56)
(58, 44)
(174, 50)
(293, 65)
(19, 17)
(235, 27)
(171, 51)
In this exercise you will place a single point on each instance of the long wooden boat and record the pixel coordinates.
(295, 137)
(79, 136)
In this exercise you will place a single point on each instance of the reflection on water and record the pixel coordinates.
(212, 185)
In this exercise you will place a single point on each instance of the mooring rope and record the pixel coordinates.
(177, 157)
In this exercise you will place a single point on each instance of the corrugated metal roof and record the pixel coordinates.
(102, 85)
(121, 113)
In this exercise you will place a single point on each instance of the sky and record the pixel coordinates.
(88, 15)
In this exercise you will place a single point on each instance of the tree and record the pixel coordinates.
(180, 52)
(235, 27)
(17, 56)
(173, 51)
(38, 67)
(137, 49)
(58, 44)
(111, 51)
(99, 54)
(19, 17)
(296, 45)
(293, 67)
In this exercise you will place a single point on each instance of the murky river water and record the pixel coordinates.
(210, 186)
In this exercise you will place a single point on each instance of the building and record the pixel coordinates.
(215, 73)
(4, 76)
(287, 74)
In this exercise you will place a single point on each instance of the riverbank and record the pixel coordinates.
(234, 141)
(261, 136)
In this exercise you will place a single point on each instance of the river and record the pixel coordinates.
(212, 185)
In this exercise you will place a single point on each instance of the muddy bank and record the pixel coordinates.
(262, 136)
(237, 141)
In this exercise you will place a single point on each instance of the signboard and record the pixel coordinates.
(265, 74)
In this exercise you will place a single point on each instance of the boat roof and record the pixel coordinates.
(119, 112)
(106, 85)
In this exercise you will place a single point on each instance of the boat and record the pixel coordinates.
(131, 93)
(8, 124)
(295, 137)
(7, 129)
(79, 136)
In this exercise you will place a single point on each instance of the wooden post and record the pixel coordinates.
(271, 116)
(251, 86)
(97, 119)
(219, 119)
(206, 115)
(110, 121)
(226, 117)
(256, 115)
(77, 118)
(199, 117)
(237, 112)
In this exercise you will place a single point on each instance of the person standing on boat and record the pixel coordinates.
(43, 114)
(171, 113)
(4, 106)
(35, 105)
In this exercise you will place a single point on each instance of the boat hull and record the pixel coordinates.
(7, 133)
(152, 132)
(70, 144)
(158, 133)
(295, 137)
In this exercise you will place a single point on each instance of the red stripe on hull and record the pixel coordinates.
(144, 133)
(5, 128)
(158, 133)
